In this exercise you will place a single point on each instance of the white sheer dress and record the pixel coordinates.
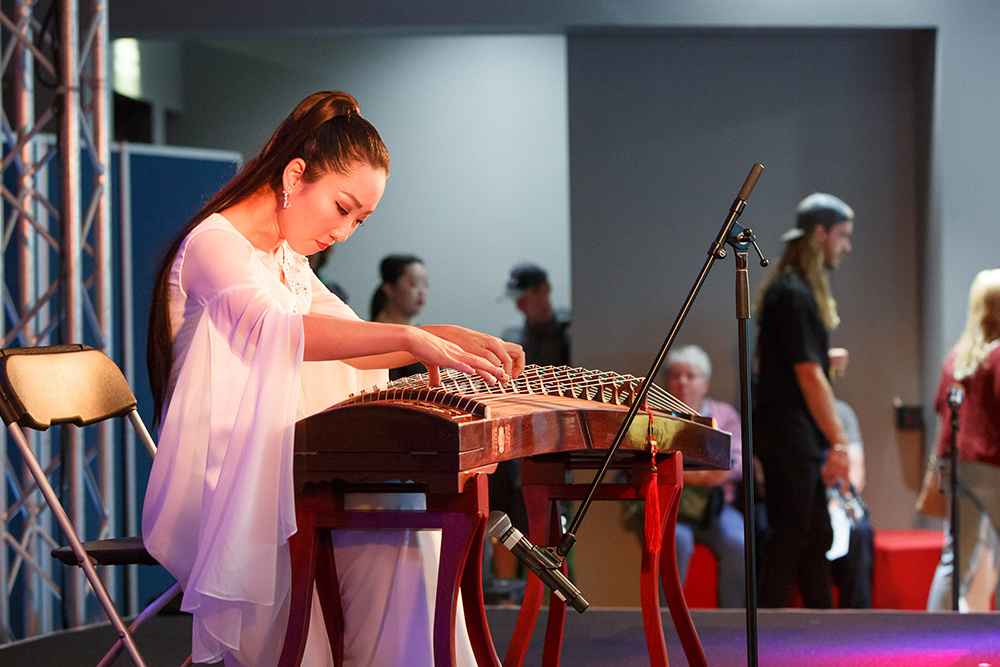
(219, 506)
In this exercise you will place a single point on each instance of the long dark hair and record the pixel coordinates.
(391, 270)
(328, 133)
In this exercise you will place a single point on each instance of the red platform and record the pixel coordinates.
(700, 586)
(905, 561)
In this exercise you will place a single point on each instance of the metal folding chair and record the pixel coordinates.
(75, 384)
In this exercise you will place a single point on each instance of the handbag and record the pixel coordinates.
(700, 505)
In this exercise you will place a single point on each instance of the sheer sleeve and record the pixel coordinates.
(219, 506)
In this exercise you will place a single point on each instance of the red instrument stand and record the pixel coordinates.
(544, 482)
(461, 517)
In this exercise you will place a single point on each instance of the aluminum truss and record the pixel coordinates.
(55, 264)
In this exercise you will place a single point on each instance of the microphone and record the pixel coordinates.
(750, 183)
(955, 396)
(538, 559)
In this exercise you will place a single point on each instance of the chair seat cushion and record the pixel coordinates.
(117, 551)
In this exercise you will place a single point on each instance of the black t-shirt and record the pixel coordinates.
(545, 343)
(790, 332)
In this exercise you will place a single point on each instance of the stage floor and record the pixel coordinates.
(613, 638)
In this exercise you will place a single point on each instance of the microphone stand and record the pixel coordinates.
(954, 402)
(740, 238)
(740, 242)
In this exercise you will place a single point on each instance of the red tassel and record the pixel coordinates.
(653, 527)
(654, 538)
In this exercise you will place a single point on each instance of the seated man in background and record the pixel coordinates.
(707, 515)
(852, 573)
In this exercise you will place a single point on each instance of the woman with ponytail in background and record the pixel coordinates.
(400, 297)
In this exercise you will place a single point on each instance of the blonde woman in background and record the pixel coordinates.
(974, 365)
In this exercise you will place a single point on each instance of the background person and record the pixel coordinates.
(400, 297)
(800, 440)
(707, 515)
(544, 334)
(852, 573)
(974, 365)
(244, 340)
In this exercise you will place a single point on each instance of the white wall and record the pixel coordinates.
(476, 129)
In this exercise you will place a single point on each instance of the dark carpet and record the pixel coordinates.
(613, 637)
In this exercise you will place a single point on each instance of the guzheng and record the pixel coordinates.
(409, 431)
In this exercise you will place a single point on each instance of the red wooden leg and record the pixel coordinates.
(457, 531)
(475, 605)
(672, 588)
(536, 500)
(649, 589)
(301, 548)
(472, 583)
(556, 621)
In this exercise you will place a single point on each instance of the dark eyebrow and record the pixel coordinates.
(354, 199)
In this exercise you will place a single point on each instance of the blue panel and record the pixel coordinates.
(167, 190)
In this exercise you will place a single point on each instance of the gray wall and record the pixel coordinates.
(663, 131)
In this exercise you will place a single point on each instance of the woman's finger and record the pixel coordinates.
(516, 353)
(476, 364)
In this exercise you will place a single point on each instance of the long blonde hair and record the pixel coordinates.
(982, 328)
(804, 255)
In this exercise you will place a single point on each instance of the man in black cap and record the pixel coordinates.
(800, 440)
(544, 335)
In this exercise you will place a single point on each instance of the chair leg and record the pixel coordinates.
(154, 608)
(82, 558)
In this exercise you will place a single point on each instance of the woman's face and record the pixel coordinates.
(409, 293)
(688, 383)
(328, 210)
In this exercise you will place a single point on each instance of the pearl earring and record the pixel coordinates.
(285, 203)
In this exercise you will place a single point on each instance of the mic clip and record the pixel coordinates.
(547, 557)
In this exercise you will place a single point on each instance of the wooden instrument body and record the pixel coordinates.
(442, 439)
(423, 441)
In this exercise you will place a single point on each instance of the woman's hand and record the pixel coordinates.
(469, 353)
(507, 357)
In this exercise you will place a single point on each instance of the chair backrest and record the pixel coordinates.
(63, 384)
